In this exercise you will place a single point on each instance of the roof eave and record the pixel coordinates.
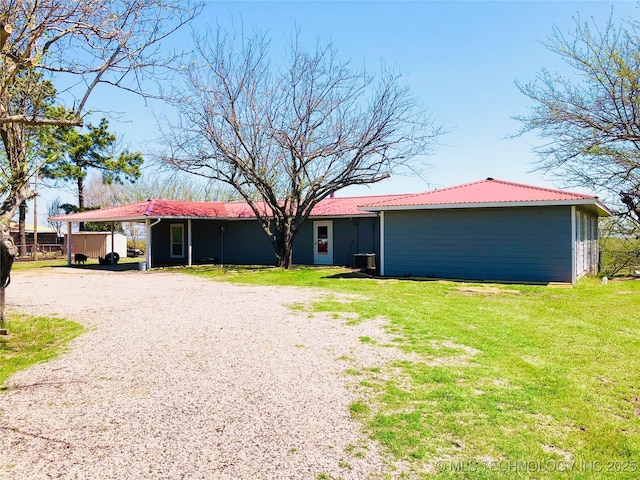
(194, 217)
(65, 219)
(603, 211)
(133, 219)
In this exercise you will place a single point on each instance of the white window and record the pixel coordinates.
(177, 240)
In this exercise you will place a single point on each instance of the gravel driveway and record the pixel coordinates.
(180, 377)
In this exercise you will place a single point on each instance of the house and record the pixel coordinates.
(486, 230)
(47, 237)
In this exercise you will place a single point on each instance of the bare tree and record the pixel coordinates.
(619, 246)
(591, 120)
(174, 185)
(54, 210)
(155, 184)
(285, 138)
(76, 46)
(98, 193)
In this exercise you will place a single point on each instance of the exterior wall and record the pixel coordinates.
(586, 248)
(245, 242)
(350, 236)
(49, 238)
(528, 244)
(242, 242)
(160, 245)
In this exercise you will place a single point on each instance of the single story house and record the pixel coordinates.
(487, 230)
(46, 235)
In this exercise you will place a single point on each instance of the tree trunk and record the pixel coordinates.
(22, 230)
(284, 245)
(284, 255)
(81, 201)
(12, 135)
(632, 201)
(8, 252)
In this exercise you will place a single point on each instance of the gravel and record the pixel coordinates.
(179, 377)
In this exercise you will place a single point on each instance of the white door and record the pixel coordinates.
(323, 243)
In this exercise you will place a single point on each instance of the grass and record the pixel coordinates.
(19, 265)
(33, 340)
(515, 381)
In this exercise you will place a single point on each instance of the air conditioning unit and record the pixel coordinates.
(365, 261)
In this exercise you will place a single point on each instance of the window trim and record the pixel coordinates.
(171, 243)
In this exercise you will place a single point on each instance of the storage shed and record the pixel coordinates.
(98, 244)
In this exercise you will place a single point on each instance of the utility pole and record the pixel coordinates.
(34, 254)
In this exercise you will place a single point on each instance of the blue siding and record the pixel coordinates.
(246, 243)
(160, 244)
(530, 244)
(206, 241)
(303, 245)
(350, 236)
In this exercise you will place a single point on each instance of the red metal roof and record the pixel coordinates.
(241, 210)
(338, 206)
(347, 206)
(179, 208)
(149, 209)
(484, 192)
(328, 207)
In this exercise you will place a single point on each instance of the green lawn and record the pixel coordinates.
(514, 381)
(33, 340)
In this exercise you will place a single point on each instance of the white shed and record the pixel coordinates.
(98, 244)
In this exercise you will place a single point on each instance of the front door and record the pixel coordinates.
(323, 243)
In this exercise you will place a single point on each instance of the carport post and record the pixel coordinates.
(113, 248)
(68, 244)
(574, 238)
(382, 259)
(148, 225)
(147, 228)
(189, 243)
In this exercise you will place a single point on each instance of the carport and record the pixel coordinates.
(151, 213)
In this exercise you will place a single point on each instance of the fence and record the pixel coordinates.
(44, 248)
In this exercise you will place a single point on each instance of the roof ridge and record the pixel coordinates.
(184, 201)
(490, 179)
(365, 196)
(409, 195)
(535, 187)
(351, 197)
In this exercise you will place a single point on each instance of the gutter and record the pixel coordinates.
(148, 240)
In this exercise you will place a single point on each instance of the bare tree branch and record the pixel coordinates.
(591, 120)
(49, 43)
(286, 137)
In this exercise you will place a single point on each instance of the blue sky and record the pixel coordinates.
(460, 58)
